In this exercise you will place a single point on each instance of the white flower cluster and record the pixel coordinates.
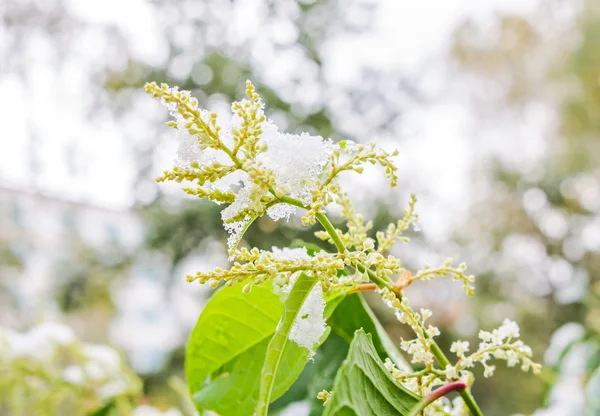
(50, 357)
(295, 162)
(501, 344)
(419, 348)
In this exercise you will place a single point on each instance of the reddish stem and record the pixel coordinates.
(445, 389)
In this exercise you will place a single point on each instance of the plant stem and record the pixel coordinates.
(381, 283)
(328, 226)
(436, 394)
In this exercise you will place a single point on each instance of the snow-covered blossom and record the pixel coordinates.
(246, 163)
(459, 348)
(297, 160)
(423, 383)
(419, 348)
(252, 166)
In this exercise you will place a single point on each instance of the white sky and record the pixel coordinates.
(406, 35)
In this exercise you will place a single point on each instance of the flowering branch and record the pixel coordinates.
(254, 169)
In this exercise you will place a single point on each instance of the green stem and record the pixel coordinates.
(328, 226)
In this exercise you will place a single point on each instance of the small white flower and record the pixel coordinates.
(432, 331)
(459, 348)
(485, 336)
(467, 362)
(451, 372)
(508, 329)
(489, 370)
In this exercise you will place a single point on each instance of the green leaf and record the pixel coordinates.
(227, 350)
(235, 391)
(231, 323)
(363, 387)
(316, 376)
(277, 346)
(354, 313)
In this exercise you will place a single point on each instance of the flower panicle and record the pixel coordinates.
(251, 167)
(420, 347)
(446, 269)
(347, 156)
(395, 231)
(502, 344)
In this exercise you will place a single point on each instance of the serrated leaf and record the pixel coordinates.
(277, 346)
(353, 313)
(363, 387)
(327, 363)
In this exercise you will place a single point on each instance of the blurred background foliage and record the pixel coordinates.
(530, 83)
(535, 224)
